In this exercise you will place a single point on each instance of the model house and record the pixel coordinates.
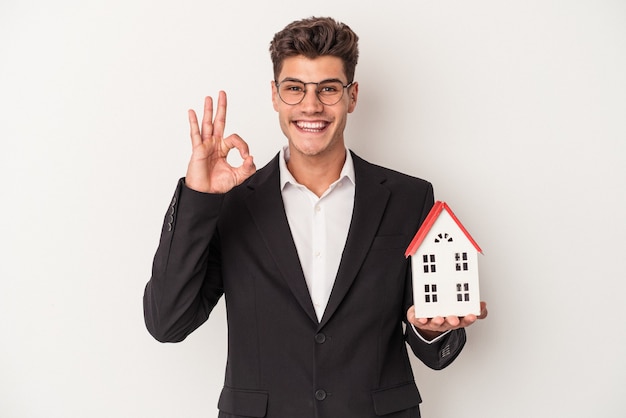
(444, 260)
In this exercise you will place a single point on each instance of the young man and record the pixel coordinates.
(308, 252)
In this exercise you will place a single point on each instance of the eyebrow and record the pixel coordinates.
(309, 82)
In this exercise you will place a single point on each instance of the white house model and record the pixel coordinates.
(444, 262)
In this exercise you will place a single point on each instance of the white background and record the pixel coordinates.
(515, 110)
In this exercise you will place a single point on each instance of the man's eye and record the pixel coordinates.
(328, 89)
(294, 88)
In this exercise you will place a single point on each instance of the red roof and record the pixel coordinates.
(434, 213)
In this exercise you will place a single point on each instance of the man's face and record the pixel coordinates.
(313, 128)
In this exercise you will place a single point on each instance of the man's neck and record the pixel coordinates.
(316, 173)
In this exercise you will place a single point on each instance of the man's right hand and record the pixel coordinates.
(208, 170)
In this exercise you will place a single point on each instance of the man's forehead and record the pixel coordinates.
(313, 69)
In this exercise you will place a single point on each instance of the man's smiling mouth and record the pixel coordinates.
(317, 126)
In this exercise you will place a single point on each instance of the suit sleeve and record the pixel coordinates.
(440, 354)
(186, 282)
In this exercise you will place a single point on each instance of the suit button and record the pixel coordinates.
(320, 338)
(320, 395)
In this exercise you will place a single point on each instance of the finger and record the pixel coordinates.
(420, 321)
(207, 124)
(453, 321)
(248, 166)
(437, 321)
(468, 320)
(245, 170)
(220, 117)
(235, 141)
(410, 316)
(194, 129)
(483, 310)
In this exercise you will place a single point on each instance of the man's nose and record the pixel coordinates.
(311, 100)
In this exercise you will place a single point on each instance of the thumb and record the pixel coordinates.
(246, 169)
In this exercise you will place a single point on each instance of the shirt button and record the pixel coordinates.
(320, 395)
(320, 338)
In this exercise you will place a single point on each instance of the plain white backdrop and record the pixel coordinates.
(515, 110)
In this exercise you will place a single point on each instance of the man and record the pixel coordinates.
(308, 252)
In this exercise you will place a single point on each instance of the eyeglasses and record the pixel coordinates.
(329, 92)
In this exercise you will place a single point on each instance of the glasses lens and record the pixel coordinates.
(330, 92)
(292, 92)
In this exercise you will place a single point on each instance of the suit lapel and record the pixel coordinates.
(370, 200)
(265, 205)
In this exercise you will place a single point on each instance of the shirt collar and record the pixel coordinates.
(286, 177)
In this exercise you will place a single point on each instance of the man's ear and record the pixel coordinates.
(275, 98)
(354, 95)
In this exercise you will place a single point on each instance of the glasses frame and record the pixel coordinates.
(317, 91)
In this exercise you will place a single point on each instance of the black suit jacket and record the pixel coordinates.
(283, 362)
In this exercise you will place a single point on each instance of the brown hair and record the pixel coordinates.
(315, 37)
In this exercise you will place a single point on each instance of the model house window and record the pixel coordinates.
(443, 237)
(461, 261)
(462, 292)
(429, 263)
(430, 293)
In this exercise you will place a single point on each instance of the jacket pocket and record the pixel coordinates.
(396, 398)
(248, 403)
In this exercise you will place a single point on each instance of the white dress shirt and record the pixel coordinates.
(319, 226)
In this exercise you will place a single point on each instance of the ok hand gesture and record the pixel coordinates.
(208, 171)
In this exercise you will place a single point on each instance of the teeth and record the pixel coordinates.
(311, 125)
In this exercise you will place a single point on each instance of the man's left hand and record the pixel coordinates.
(432, 327)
